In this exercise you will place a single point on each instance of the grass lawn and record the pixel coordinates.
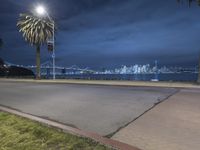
(18, 133)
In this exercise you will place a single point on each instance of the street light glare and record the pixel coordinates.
(40, 10)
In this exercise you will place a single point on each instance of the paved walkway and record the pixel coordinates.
(110, 82)
(172, 125)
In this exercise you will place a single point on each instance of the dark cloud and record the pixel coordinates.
(109, 33)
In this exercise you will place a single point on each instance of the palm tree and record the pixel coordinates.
(36, 30)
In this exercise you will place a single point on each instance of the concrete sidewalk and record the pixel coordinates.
(110, 83)
(172, 125)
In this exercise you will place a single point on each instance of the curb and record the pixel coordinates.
(160, 84)
(96, 137)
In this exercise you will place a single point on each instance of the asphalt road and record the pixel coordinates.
(101, 109)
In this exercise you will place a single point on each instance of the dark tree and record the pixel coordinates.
(1, 42)
(189, 3)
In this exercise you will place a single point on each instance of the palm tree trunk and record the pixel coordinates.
(38, 76)
(198, 80)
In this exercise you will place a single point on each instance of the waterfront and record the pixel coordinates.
(183, 77)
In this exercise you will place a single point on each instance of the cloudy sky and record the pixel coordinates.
(108, 33)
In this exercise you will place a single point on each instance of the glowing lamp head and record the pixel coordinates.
(40, 10)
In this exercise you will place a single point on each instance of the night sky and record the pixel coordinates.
(108, 33)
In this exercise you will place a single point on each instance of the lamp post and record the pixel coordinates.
(40, 10)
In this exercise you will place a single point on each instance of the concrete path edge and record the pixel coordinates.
(110, 83)
(94, 136)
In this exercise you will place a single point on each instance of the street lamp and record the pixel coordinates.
(41, 11)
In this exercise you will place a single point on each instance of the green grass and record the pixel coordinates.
(17, 133)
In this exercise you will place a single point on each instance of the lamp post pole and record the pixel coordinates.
(40, 10)
(53, 54)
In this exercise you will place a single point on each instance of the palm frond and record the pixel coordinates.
(35, 30)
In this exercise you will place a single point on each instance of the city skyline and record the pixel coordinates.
(122, 69)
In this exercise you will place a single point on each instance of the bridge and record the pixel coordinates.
(47, 69)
